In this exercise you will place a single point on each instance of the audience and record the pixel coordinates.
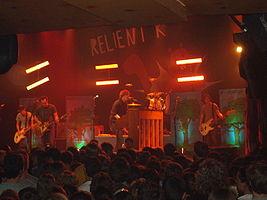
(97, 172)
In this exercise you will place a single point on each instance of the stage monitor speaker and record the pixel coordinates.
(8, 52)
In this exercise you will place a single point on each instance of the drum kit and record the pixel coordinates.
(156, 101)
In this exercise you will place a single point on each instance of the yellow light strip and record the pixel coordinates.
(44, 80)
(189, 61)
(110, 82)
(111, 66)
(37, 67)
(191, 78)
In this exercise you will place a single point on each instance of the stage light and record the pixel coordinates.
(37, 67)
(189, 61)
(44, 80)
(109, 82)
(190, 78)
(110, 66)
(128, 85)
(239, 49)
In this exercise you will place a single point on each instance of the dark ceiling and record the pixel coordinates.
(26, 16)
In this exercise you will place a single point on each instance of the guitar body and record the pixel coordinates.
(205, 128)
(19, 135)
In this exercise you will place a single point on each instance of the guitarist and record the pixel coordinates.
(46, 115)
(210, 110)
(24, 120)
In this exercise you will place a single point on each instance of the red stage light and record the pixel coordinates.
(189, 61)
(108, 82)
(40, 82)
(37, 67)
(190, 78)
(110, 66)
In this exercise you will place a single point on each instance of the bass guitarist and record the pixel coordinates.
(210, 112)
(46, 115)
(23, 121)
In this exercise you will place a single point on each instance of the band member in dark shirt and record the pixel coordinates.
(46, 115)
(119, 108)
(210, 112)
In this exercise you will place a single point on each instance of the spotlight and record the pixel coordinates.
(108, 82)
(37, 67)
(40, 82)
(190, 78)
(239, 49)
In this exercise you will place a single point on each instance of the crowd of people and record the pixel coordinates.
(96, 172)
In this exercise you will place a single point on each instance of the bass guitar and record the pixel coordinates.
(211, 124)
(19, 135)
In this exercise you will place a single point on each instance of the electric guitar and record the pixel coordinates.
(211, 124)
(19, 135)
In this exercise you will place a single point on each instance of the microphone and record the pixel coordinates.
(133, 99)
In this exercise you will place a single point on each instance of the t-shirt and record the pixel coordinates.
(21, 119)
(46, 113)
(209, 112)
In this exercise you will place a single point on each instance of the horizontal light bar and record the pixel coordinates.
(109, 82)
(44, 80)
(37, 67)
(191, 78)
(189, 61)
(111, 66)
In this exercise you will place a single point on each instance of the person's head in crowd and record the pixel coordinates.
(151, 175)
(107, 148)
(129, 143)
(67, 158)
(55, 168)
(92, 166)
(153, 163)
(58, 189)
(182, 160)
(242, 181)
(201, 150)
(101, 193)
(122, 194)
(102, 179)
(38, 159)
(159, 153)
(127, 156)
(56, 196)
(173, 169)
(121, 150)
(189, 178)
(10, 194)
(145, 190)
(75, 153)
(70, 189)
(169, 149)
(132, 153)
(13, 165)
(92, 149)
(142, 157)
(81, 195)
(45, 183)
(119, 170)
(222, 194)
(257, 179)
(105, 162)
(68, 177)
(2, 156)
(136, 172)
(29, 193)
(53, 153)
(211, 173)
(94, 141)
(174, 188)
